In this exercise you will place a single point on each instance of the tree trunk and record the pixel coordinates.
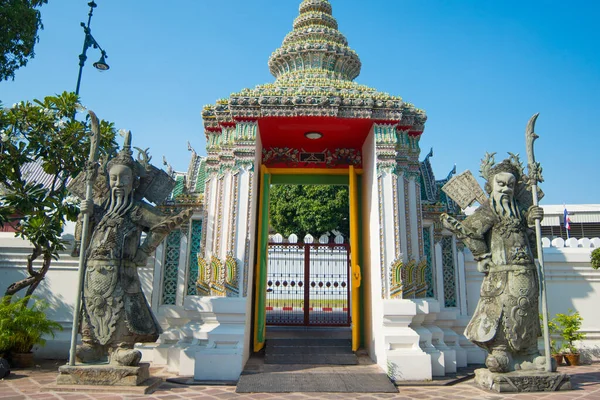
(35, 277)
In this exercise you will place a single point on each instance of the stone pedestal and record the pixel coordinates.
(103, 375)
(522, 381)
(105, 378)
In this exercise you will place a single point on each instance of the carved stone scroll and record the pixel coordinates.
(464, 190)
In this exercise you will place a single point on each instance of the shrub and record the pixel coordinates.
(595, 258)
(570, 324)
(23, 327)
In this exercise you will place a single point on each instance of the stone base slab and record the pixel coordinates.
(103, 375)
(146, 387)
(522, 381)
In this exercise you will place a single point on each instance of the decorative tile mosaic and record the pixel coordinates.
(169, 289)
(219, 219)
(407, 213)
(381, 238)
(248, 225)
(449, 272)
(195, 240)
(427, 249)
(233, 195)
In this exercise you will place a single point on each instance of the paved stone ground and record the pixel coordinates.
(29, 384)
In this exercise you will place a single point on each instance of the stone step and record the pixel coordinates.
(308, 343)
(330, 359)
(310, 351)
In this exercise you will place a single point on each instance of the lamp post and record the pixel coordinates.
(88, 42)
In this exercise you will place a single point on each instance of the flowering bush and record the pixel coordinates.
(42, 145)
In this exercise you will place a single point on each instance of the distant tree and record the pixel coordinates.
(42, 135)
(314, 209)
(20, 21)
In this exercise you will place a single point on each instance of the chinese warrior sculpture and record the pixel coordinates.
(115, 313)
(499, 233)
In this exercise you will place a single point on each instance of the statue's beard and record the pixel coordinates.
(505, 206)
(119, 204)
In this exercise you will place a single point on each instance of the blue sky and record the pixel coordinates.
(479, 68)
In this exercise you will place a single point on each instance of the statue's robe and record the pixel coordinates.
(115, 309)
(507, 314)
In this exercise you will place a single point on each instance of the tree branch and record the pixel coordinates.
(36, 252)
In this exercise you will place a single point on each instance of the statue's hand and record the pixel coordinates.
(454, 225)
(535, 213)
(141, 258)
(86, 207)
(170, 223)
(484, 265)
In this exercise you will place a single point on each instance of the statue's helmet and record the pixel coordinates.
(510, 165)
(125, 156)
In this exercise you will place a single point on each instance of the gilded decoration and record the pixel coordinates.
(408, 276)
(396, 272)
(422, 283)
(217, 277)
(283, 155)
(203, 284)
(231, 276)
(296, 157)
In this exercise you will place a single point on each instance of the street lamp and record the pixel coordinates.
(88, 42)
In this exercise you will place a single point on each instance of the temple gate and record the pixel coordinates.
(308, 283)
(315, 125)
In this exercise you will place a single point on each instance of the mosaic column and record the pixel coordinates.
(395, 343)
(390, 203)
(413, 215)
(226, 254)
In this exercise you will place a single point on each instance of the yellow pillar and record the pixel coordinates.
(355, 268)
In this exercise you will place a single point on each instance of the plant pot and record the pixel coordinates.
(558, 358)
(21, 360)
(4, 368)
(572, 359)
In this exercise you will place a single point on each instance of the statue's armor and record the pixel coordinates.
(113, 300)
(507, 311)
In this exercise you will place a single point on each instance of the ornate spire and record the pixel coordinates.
(315, 48)
(315, 71)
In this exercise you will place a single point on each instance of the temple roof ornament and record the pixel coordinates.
(315, 46)
(315, 71)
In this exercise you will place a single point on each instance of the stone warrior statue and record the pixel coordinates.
(115, 313)
(506, 321)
